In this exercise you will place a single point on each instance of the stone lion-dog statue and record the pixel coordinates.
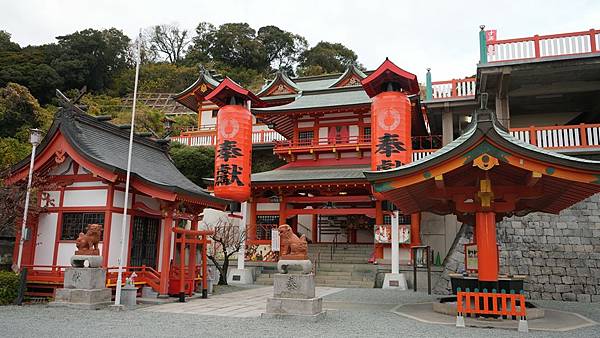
(87, 244)
(293, 250)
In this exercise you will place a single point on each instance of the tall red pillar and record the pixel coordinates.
(193, 250)
(415, 228)
(166, 253)
(315, 228)
(487, 249)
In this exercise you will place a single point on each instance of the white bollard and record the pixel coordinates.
(523, 326)
(460, 320)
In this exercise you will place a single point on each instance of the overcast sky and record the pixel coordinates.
(413, 34)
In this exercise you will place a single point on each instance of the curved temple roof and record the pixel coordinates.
(546, 181)
(106, 146)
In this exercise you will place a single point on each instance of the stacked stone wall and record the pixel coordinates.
(559, 254)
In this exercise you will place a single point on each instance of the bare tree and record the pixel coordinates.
(168, 40)
(228, 240)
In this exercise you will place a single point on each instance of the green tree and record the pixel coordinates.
(5, 44)
(326, 57)
(195, 163)
(91, 57)
(282, 48)
(20, 111)
(154, 78)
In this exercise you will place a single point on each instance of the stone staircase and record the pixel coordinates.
(347, 268)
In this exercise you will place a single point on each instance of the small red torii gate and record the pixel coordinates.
(192, 238)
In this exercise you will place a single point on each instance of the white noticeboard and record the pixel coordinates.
(274, 240)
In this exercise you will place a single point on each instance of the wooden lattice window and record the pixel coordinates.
(306, 137)
(264, 224)
(76, 222)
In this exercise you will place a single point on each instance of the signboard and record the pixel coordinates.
(274, 239)
(490, 35)
(471, 257)
(383, 234)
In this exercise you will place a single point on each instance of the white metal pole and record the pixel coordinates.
(242, 252)
(26, 209)
(126, 198)
(395, 244)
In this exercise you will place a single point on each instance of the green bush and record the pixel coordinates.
(9, 287)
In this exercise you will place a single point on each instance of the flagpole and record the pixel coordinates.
(126, 199)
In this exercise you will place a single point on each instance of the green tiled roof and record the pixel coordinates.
(345, 96)
(310, 174)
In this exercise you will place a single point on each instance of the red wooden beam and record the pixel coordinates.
(331, 212)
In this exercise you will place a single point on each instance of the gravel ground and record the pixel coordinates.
(358, 313)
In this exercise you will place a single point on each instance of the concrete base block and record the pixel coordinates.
(303, 265)
(85, 278)
(237, 276)
(128, 296)
(294, 286)
(394, 281)
(294, 306)
(82, 299)
(310, 318)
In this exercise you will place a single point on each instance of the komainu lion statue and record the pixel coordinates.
(87, 244)
(290, 246)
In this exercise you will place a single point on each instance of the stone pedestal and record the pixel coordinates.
(84, 288)
(128, 296)
(237, 276)
(294, 297)
(394, 281)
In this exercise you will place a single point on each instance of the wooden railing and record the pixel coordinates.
(560, 137)
(543, 46)
(323, 143)
(508, 305)
(453, 88)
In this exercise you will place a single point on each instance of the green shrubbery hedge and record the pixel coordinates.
(9, 287)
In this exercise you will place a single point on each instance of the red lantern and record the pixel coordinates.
(391, 143)
(233, 153)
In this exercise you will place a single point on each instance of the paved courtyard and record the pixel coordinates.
(351, 313)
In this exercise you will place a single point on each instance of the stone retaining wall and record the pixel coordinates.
(560, 254)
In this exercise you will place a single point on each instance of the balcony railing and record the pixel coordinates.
(323, 143)
(543, 46)
(560, 137)
(208, 137)
(453, 88)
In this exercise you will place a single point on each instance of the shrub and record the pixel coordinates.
(9, 287)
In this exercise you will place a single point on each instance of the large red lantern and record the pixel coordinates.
(233, 153)
(391, 143)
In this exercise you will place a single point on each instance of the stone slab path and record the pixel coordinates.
(241, 304)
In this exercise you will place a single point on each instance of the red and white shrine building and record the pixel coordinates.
(84, 161)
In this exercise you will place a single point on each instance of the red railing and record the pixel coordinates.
(478, 303)
(543, 46)
(453, 88)
(328, 143)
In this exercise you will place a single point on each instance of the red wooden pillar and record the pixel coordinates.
(182, 268)
(107, 225)
(487, 249)
(415, 228)
(282, 211)
(251, 222)
(193, 252)
(166, 253)
(378, 221)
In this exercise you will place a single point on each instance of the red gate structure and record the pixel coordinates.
(509, 305)
(183, 283)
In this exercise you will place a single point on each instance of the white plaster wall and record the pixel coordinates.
(65, 251)
(119, 199)
(351, 154)
(207, 118)
(404, 254)
(306, 124)
(267, 206)
(115, 238)
(353, 131)
(44, 251)
(80, 198)
(327, 155)
(323, 133)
